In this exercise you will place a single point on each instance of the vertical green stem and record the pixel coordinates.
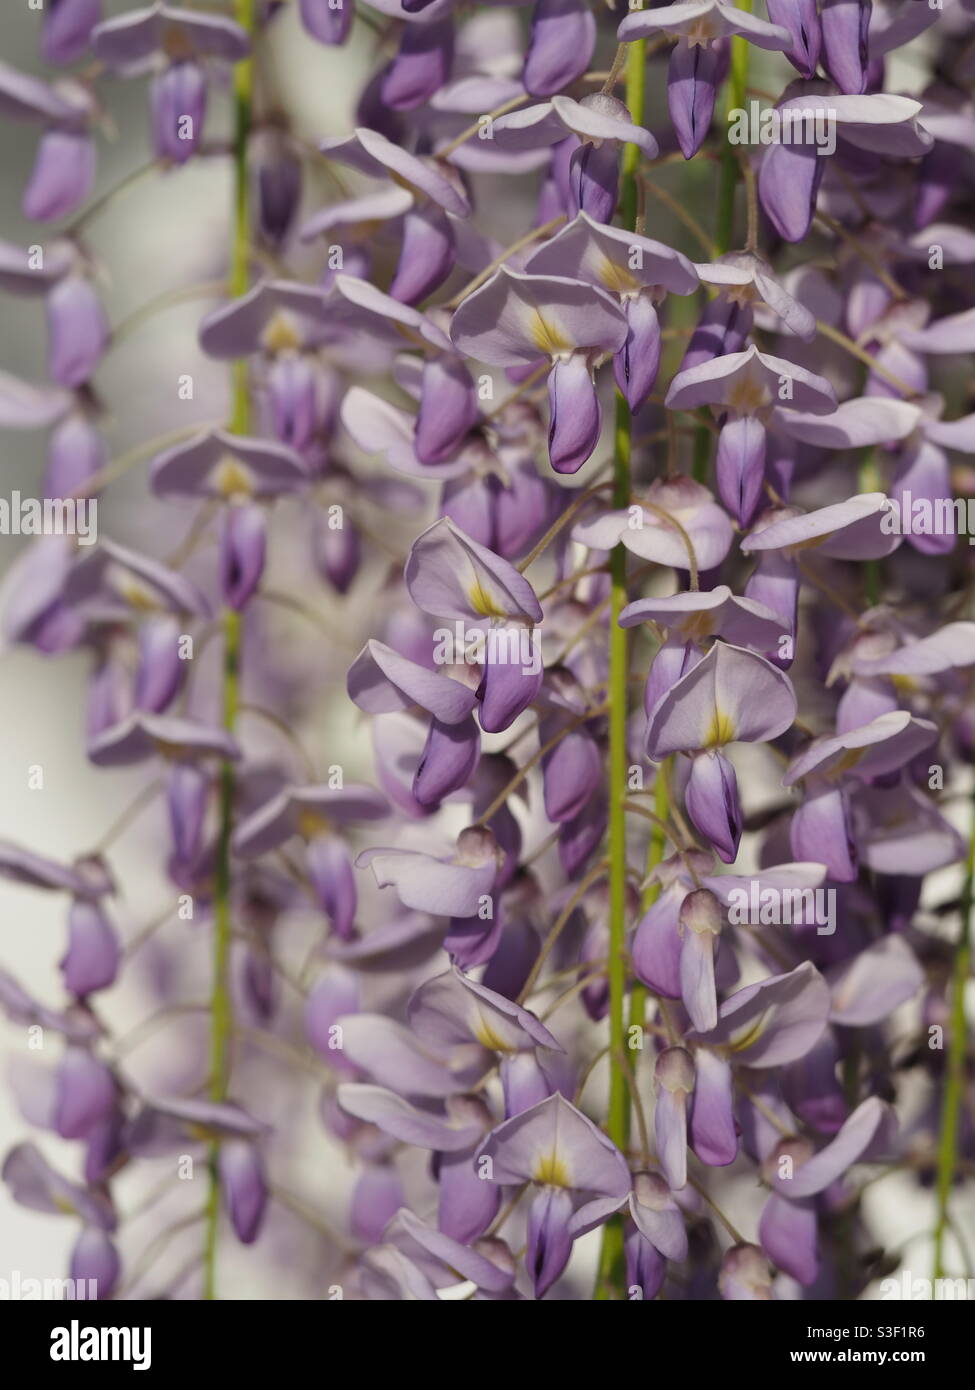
(737, 91)
(221, 1006)
(870, 481)
(636, 81)
(240, 239)
(702, 453)
(618, 1115)
(957, 1049)
(618, 669)
(727, 188)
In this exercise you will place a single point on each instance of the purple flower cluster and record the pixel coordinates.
(616, 875)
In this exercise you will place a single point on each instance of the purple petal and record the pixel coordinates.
(389, 1053)
(449, 759)
(845, 28)
(451, 576)
(178, 104)
(740, 466)
(576, 419)
(674, 1084)
(732, 695)
(92, 957)
(549, 1241)
(94, 1258)
(868, 988)
(243, 543)
(637, 362)
(556, 1145)
(381, 681)
(867, 1133)
(427, 253)
(517, 320)
(563, 38)
(421, 65)
(712, 1132)
(692, 76)
(820, 830)
(371, 153)
(789, 1236)
(62, 177)
(396, 1116)
(244, 1188)
(226, 466)
(772, 1023)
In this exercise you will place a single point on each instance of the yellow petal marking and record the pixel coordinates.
(742, 295)
(720, 731)
(280, 335)
(487, 1037)
(167, 749)
(312, 823)
(752, 1034)
(482, 602)
(616, 277)
(546, 336)
(849, 759)
(749, 395)
(175, 44)
(701, 32)
(698, 626)
(136, 594)
(550, 1170)
(232, 479)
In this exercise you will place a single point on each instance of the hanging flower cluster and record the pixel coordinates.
(575, 842)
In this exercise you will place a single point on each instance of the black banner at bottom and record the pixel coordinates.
(173, 1338)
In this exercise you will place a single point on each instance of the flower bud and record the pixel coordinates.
(745, 1275)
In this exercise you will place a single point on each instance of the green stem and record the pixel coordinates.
(702, 453)
(618, 671)
(221, 1005)
(957, 1048)
(611, 1276)
(737, 90)
(727, 188)
(869, 481)
(636, 81)
(240, 244)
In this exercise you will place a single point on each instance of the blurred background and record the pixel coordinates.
(163, 233)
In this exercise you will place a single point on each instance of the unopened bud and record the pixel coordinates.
(468, 1110)
(675, 1070)
(700, 912)
(476, 846)
(745, 1275)
(651, 1191)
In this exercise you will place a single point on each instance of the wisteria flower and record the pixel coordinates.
(522, 320)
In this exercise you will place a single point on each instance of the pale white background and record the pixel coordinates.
(163, 233)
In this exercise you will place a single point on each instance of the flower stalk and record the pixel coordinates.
(730, 170)
(617, 1123)
(221, 1004)
(948, 1145)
